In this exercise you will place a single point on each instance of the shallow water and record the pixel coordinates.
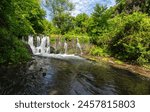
(70, 76)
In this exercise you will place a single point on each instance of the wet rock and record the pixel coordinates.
(28, 48)
(33, 77)
(54, 92)
(52, 49)
(44, 74)
(41, 69)
(31, 67)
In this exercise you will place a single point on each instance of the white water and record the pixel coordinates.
(43, 48)
(38, 41)
(30, 42)
(65, 47)
(78, 46)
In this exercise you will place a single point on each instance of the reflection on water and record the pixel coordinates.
(70, 76)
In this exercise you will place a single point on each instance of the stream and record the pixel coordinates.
(70, 76)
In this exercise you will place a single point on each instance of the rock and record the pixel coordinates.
(28, 48)
(33, 77)
(44, 74)
(41, 69)
(52, 49)
(111, 62)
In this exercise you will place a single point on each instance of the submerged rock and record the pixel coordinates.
(44, 74)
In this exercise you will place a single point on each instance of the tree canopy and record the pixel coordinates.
(121, 31)
(18, 18)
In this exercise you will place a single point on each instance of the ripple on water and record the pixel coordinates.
(70, 75)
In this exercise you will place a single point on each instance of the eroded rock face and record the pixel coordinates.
(29, 49)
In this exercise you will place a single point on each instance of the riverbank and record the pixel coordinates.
(140, 70)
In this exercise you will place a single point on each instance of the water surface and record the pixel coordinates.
(70, 76)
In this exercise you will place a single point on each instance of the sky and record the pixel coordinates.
(86, 6)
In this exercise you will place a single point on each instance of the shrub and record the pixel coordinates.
(132, 43)
(97, 51)
(127, 37)
(13, 51)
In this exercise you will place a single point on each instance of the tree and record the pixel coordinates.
(63, 22)
(98, 20)
(118, 1)
(29, 16)
(98, 14)
(81, 23)
(18, 18)
(57, 7)
(60, 14)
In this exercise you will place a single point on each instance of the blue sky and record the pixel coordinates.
(87, 6)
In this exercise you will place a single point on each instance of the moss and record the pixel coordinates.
(119, 62)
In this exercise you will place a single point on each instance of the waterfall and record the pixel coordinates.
(48, 45)
(47, 41)
(65, 46)
(78, 46)
(38, 41)
(43, 46)
(30, 42)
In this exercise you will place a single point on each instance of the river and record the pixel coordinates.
(70, 76)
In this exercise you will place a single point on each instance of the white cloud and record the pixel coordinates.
(87, 6)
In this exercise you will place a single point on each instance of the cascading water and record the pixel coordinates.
(43, 47)
(30, 42)
(48, 45)
(65, 47)
(78, 46)
(38, 41)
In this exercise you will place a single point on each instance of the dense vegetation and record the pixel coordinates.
(121, 31)
(18, 18)
(124, 33)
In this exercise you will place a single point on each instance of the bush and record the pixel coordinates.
(132, 42)
(13, 51)
(97, 51)
(127, 37)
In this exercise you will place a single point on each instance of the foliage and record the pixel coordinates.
(122, 30)
(57, 7)
(64, 22)
(81, 23)
(132, 39)
(98, 20)
(18, 18)
(130, 6)
(97, 51)
(13, 51)
(48, 27)
(127, 37)
(60, 14)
